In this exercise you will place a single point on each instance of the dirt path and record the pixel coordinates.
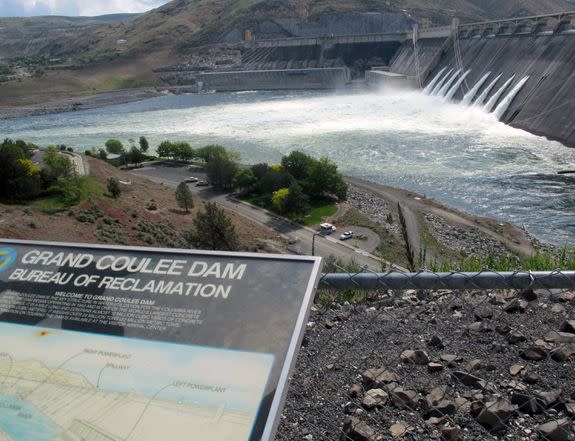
(512, 237)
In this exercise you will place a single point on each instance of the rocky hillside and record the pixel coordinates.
(182, 24)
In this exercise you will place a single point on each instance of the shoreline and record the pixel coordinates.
(82, 102)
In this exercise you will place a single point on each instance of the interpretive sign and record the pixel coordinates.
(140, 344)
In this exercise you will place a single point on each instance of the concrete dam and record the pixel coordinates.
(521, 69)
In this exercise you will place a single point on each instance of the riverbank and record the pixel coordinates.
(83, 102)
(438, 233)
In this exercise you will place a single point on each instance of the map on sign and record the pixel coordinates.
(57, 385)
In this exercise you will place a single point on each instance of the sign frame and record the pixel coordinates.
(278, 402)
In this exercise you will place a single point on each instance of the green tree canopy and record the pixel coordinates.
(244, 179)
(184, 197)
(296, 201)
(114, 146)
(213, 230)
(278, 199)
(166, 149)
(57, 165)
(221, 172)
(298, 164)
(324, 179)
(19, 178)
(144, 144)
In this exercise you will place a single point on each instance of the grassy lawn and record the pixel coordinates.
(85, 188)
(319, 209)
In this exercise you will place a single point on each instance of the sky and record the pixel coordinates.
(22, 8)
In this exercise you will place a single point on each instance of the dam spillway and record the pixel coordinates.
(542, 49)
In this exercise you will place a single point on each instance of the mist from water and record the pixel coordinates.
(459, 155)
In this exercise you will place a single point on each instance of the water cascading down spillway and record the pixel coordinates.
(447, 86)
(450, 94)
(506, 102)
(441, 83)
(468, 98)
(493, 100)
(434, 82)
(481, 99)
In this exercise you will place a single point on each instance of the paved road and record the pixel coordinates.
(172, 175)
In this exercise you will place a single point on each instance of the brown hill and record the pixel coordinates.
(127, 220)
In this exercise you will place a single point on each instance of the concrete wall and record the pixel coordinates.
(275, 79)
(546, 104)
(376, 78)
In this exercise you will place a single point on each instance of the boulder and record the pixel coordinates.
(469, 380)
(400, 430)
(562, 353)
(440, 409)
(557, 430)
(534, 353)
(375, 398)
(568, 326)
(356, 430)
(379, 377)
(436, 395)
(496, 414)
(404, 399)
(415, 357)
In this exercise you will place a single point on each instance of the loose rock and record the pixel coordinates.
(356, 430)
(496, 414)
(534, 353)
(415, 357)
(375, 398)
(555, 430)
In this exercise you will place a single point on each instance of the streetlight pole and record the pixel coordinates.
(313, 243)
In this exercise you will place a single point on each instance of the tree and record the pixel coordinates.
(114, 187)
(278, 199)
(213, 230)
(184, 197)
(57, 165)
(182, 151)
(244, 179)
(324, 179)
(221, 172)
(144, 145)
(136, 156)
(166, 149)
(296, 201)
(259, 170)
(114, 146)
(298, 164)
(211, 152)
(102, 154)
(274, 179)
(20, 179)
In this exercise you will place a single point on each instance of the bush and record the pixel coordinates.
(114, 188)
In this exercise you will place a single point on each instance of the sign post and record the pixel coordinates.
(140, 344)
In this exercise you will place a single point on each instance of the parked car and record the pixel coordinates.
(346, 235)
(202, 184)
(191, 179)
(326, 228)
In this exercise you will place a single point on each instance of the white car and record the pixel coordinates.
(346, 235)
(191, 179)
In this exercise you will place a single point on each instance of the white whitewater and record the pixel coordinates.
(493, 100)
(449, 83)
(441, 83)
(506, 102)
(456, 86)
(471, 94)
(481, 99)
(433, 82)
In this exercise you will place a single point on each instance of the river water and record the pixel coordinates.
(460, 156)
